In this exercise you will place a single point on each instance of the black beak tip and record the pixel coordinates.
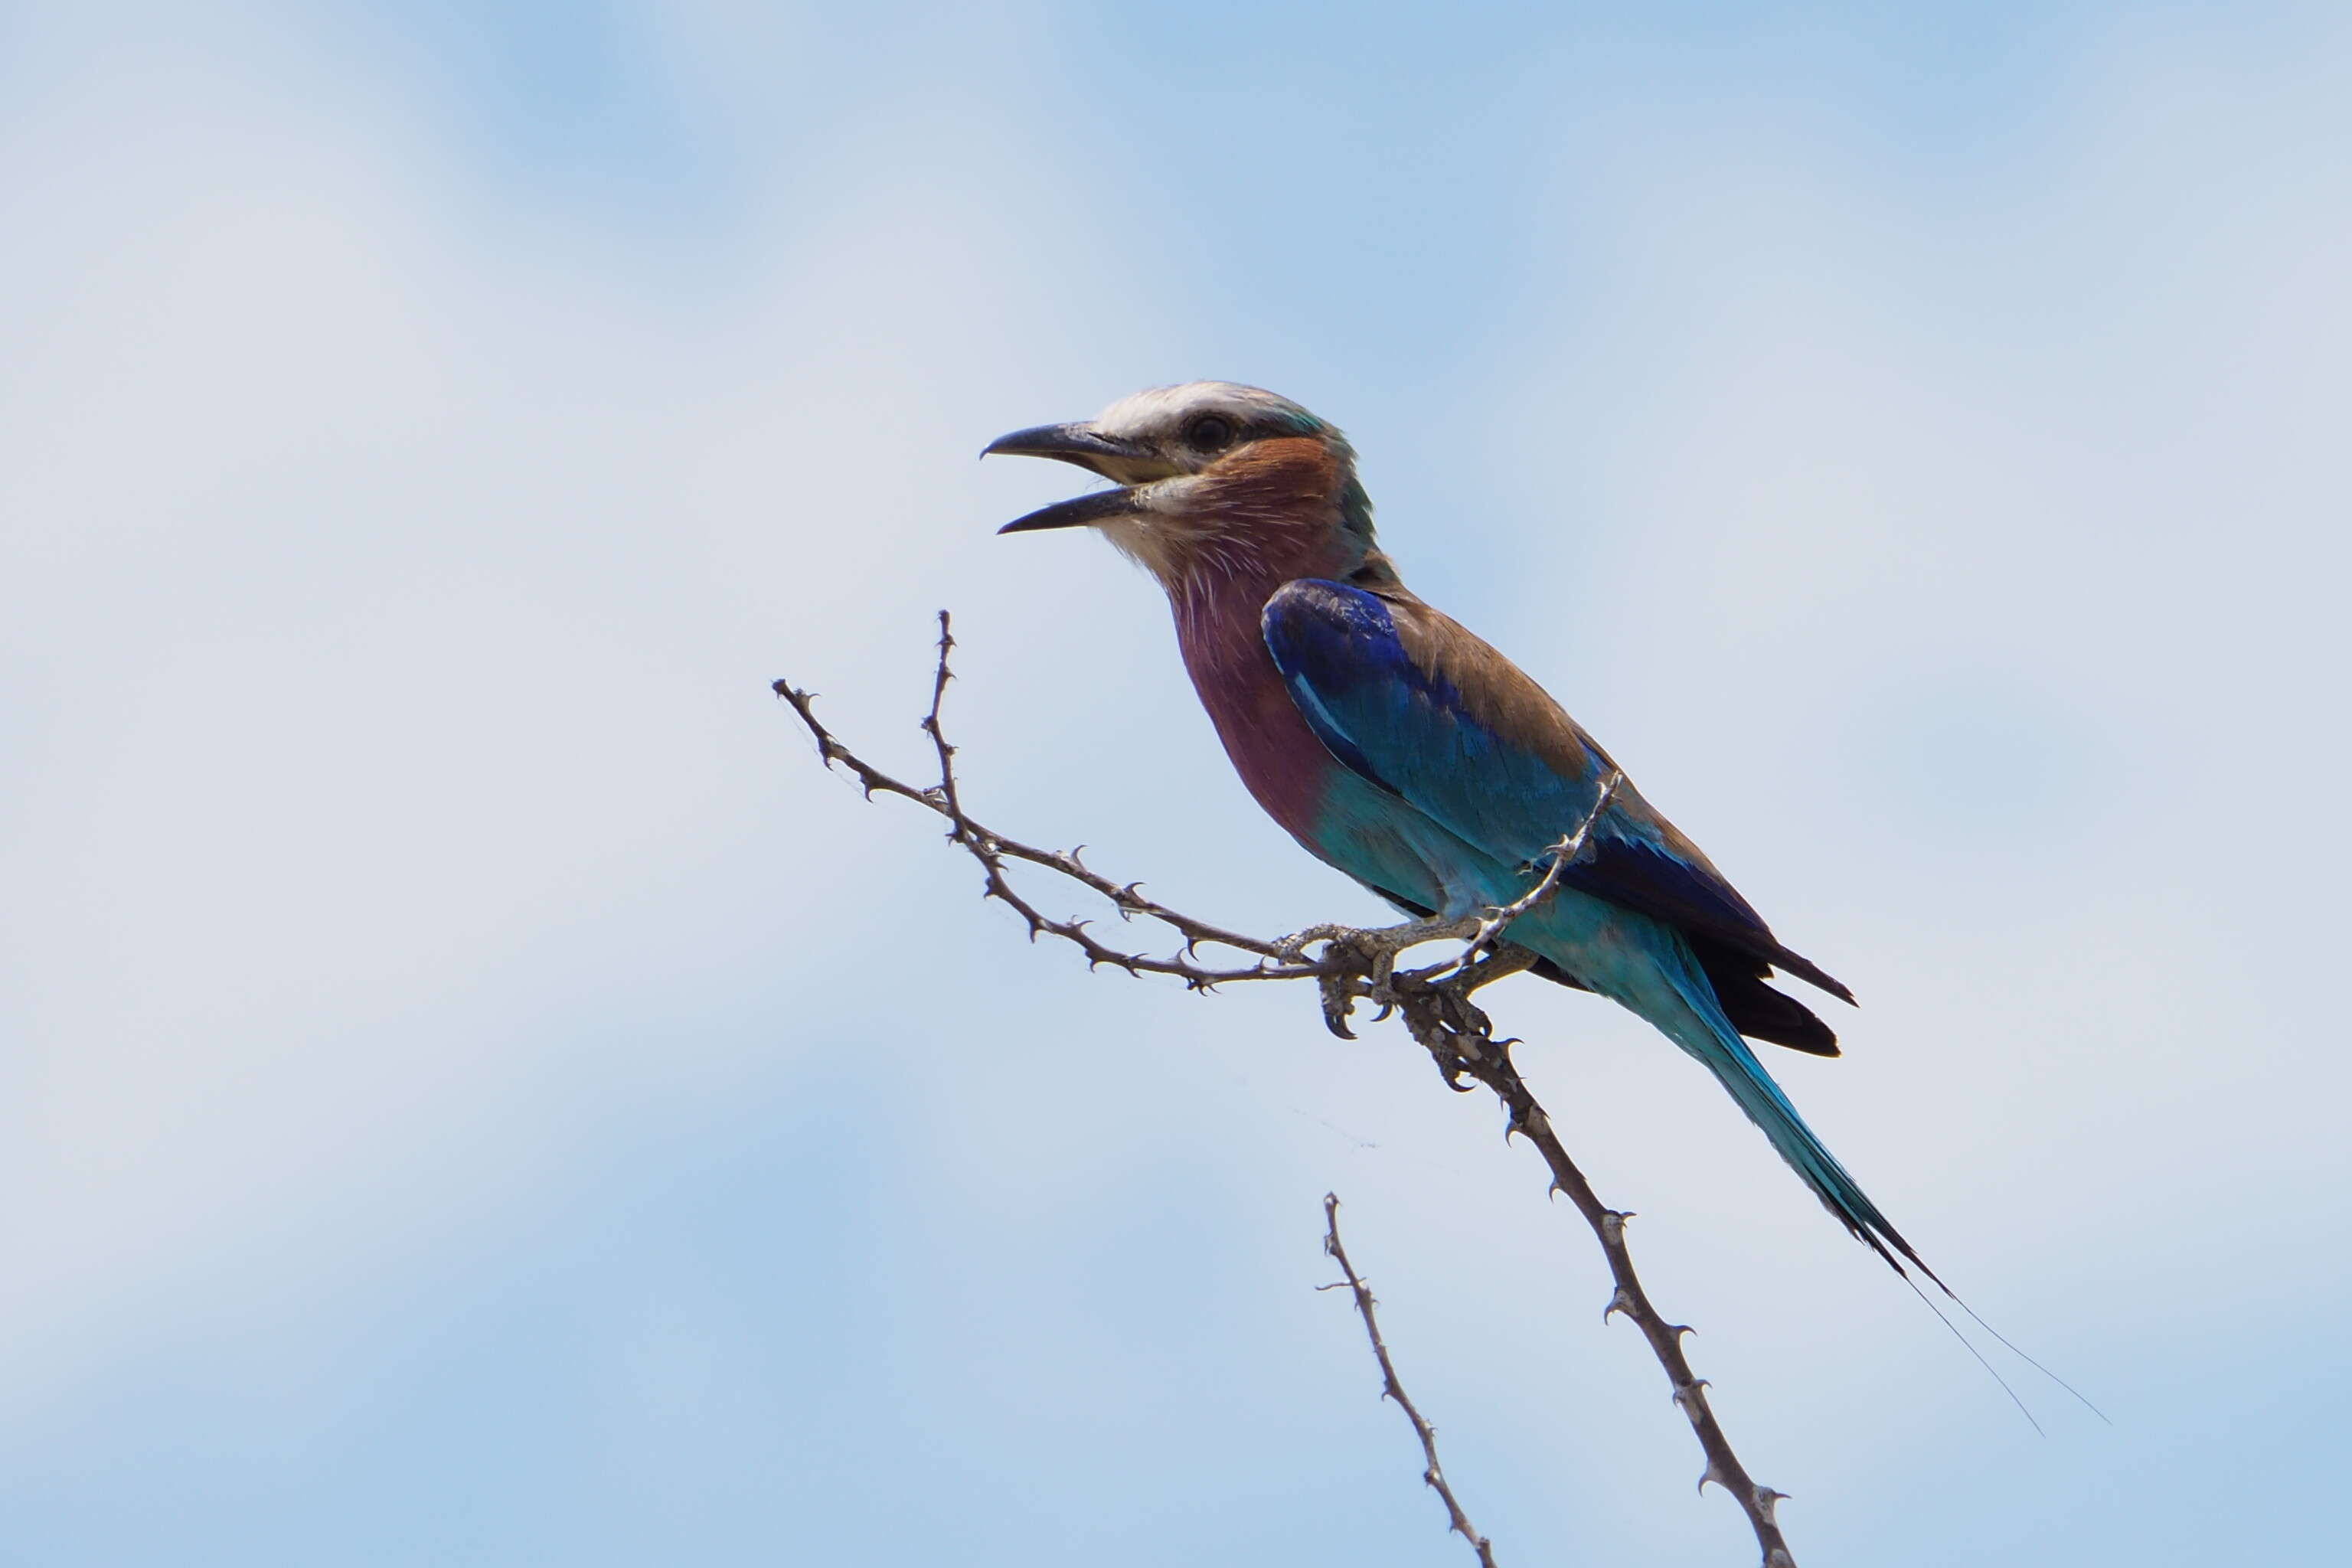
(1063, 441)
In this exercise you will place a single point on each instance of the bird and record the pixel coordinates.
(1398, 747)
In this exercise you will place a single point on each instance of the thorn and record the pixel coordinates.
(1619, 1301)
(1691, 1397)
(1712, 1474)
(1612, 1226)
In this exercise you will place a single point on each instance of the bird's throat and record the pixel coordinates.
(1275, 512)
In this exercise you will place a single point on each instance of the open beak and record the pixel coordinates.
(1089, 448)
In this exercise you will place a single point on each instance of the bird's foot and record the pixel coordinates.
(1373, 949)
(1457, 1033)
(1359, 963)
(1339, 993)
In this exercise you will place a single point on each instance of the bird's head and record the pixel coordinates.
(1210, 476)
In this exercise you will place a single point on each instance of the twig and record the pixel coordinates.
(1354, 965)
(1461, 1039)
(992, 848)
(1432, 1472)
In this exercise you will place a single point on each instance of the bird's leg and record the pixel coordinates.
(1506, 961)
(1382, 945)
(1372, 950)
(1360, 961)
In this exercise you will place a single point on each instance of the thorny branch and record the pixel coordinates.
(991, 849)
(1432, 1472)
(1351, 964)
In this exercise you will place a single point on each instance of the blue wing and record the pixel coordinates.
(1411, 702)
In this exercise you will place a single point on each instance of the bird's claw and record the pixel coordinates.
(1339, 1002)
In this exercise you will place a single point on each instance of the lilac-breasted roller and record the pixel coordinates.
(1400, 749)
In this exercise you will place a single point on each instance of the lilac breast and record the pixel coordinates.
(1284, 767)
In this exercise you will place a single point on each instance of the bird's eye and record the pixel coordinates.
(1210, 433)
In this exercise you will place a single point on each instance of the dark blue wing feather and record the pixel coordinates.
(1410, 701)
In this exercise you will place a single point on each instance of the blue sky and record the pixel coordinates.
(472, 1091)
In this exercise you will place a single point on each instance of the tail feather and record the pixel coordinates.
(1663, 982)
(1700, 1028)
(1653, 970)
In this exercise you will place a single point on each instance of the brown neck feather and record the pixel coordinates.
(1268, 513)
